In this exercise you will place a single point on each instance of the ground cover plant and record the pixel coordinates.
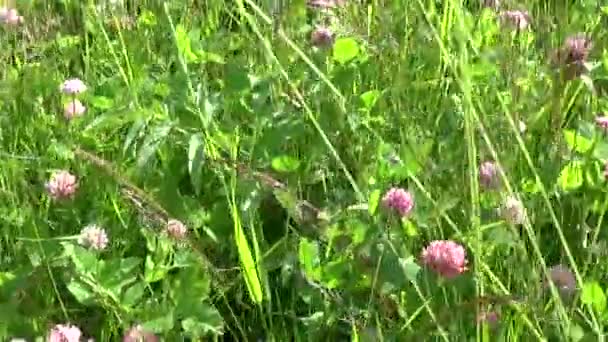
(408, 170)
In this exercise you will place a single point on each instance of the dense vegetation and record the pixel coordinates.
(404, 170)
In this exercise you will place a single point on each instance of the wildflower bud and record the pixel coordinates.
(73, 86)
(490, 318)
(446, 258)
(62, 185)
(398, 200)
(138, 334)
(513, 211)
(563, 279)
(73, 109)
(520, 20)
(602, 122)
(176, 229)
(571, 57)
(488, 175)
(64, 333)
(10, 16)
(577, 48)
(94, 237)
(322, 37)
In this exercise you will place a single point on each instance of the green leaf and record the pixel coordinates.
(184, 45)
(309, 259)
(410, 268)
(285, 164)
(154, 271)
(369, 99)
(102, 102)
(345, 49)
(133, 294)
(189, 289)
(530, 186)
(409, 228)
(81, 292)
(160, 324)
(153, 140)
(248, 264)
(84, 260)
(206, 57)
(601, 151)
(571, 176)
(576, 333)
(593, 295)
(373, 201)
(577, 142)
(207, 321)
(60, 151)
(195, 161)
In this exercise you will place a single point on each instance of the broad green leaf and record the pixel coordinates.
(102, 102)
(189, 289)
(369, 98)
(345, 49)
(160, 324)
(84, 260)
(577, 142)
(410, 268)
(207, 321)
(337, 273)
(571, 176)
(593, 295)
(601, 151)
(287, 200)
(530, 186)
(576, 333)
(309, 259)
(154, 272)
(81, 292)
(409, 228)
(133, 294)
(146, 18)
(6, 278)
(114, 274)
(155, 137)
(285, 164)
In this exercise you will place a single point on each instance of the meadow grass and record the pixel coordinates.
(408, 170)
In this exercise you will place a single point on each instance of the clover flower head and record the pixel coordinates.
(62, 185)
(73, 86)
(399, 200)
(94, 237)
(64, 333)
(447, 258)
